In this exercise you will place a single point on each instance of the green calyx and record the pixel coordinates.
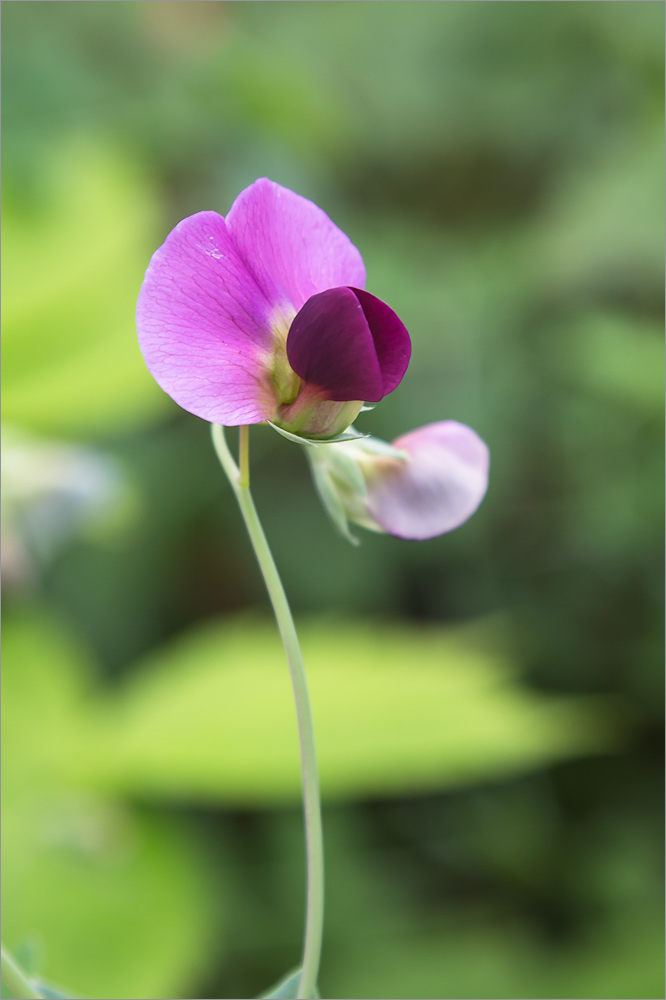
(341, 472)
(302, 409)
(313, 416)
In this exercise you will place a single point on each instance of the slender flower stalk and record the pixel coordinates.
(239, 477)
(262, 317)
(244, 457)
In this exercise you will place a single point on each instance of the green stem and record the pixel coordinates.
(314, 918)
(15, 980)
(244, 457)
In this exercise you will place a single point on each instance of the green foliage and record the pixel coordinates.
(80, 866)
(501, 169)
(470, 961)
(74, 262)
(396, 711)
(617, 360)
(210, 719)
(84, 868)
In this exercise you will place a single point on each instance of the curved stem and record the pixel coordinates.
(314, 919)
(15, 980)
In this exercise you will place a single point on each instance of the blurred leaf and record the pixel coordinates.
(396, 710)
(470, 957)
(603, 226)
(616, 356)
(117, 896)
(74, 262)
(388, 938)
(119, 899)
(286, 102)
(45, 682)
(471, 946)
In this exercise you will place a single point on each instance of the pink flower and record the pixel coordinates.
(262, 316)
(424, 484)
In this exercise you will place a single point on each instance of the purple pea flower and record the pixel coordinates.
(262, 316)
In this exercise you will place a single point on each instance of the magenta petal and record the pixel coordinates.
(204, 324)
(437, 488)
(290, 245)
(391, 339)
(330, 345)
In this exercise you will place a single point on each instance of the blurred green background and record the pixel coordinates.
(488, 704)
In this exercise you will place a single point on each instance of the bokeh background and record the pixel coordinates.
(488, 704)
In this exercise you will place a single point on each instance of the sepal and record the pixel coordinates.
(338, 473)
(349, 435)
(287, 988)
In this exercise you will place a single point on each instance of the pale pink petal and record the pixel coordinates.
(291, 245)
(436, 488)
(205, 324)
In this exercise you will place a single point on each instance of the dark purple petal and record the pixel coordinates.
(391, 339)
(436, 488)
(330, 345)
(350, 344)
(290, 245)
(205, 325)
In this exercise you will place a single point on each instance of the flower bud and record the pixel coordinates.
(424, 484)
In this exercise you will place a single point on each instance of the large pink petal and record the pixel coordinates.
(204, 324)
(291, 245)
(437, 488)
